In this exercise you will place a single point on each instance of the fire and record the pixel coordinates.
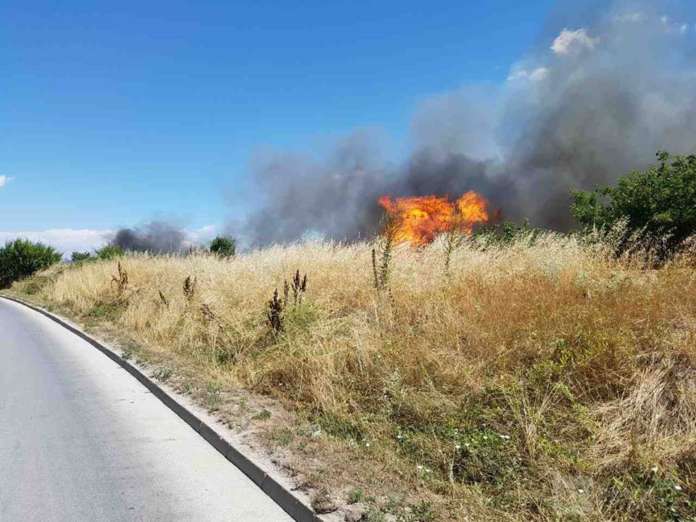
(420, 219)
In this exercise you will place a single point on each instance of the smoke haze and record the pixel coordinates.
(157, 237)
(596, 100)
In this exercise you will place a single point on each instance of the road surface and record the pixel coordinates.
(81, 439)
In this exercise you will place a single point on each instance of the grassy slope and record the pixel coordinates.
(528, 381)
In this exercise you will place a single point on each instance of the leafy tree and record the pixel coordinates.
(22, 258)
(110, 252)
(223, 246)
(658, 203)
(80, 256)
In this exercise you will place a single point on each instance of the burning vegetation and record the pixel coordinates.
(419, 220)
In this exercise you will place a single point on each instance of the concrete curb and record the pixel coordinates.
(292, 505)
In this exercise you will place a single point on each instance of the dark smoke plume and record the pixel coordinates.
(157, 237)
(598, 100)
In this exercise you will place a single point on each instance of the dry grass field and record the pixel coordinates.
(540, 379)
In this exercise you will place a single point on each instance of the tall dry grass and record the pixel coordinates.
(542, 378)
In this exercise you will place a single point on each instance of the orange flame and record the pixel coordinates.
(420, 219)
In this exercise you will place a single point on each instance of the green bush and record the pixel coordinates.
(22, 258)
(80, 256)
(110, 252)
(506, 233)
(659, 204)
(223, 246)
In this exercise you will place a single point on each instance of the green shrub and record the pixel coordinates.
(22, 258)
(506, 233)
(110, 252)
(658, 204)
(223, 246)
(80, 256)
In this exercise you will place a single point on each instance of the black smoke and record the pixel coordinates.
(157, 237)
(596, 100)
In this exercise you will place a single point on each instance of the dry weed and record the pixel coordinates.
(540, 379)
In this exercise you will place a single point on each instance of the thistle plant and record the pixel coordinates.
(274, 313)
(381, 268)
(298, 286)
(189, 288)
(293, 293)
(120, 280)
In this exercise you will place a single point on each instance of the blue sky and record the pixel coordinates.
(115, 113)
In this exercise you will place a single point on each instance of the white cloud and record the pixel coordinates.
(65, 240)
(572, 42)
(633, 17)
(4, 180)
(672, 26)
(535, 75)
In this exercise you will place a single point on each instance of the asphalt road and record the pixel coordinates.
(81, 439)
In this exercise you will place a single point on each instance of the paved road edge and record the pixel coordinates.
(282, 496)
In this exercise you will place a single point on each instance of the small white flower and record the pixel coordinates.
(367, 444)
(581, 490)
(654, 469)
(419, 467)
(457, 447)
(678, 487)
